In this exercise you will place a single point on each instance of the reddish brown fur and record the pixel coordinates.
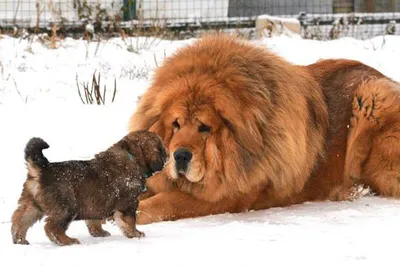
(373, 145)
(339, 79)
(95, 189)
(278, 131)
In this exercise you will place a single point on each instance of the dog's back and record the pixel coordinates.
(40, 169)
(52, 183)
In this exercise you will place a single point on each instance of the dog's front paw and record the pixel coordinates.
(95, 229)
(137, 234)
(65, 241)
(149, 212)
(143, 218)
(99, 233)
(69, 242)
(21, 242)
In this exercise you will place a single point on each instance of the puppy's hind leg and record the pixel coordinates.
(23, 218)
(95, 228)
(55, 230)
(127, 223)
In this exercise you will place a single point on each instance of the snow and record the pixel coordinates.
(364, 233)
(38, 97)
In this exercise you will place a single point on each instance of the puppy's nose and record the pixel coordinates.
(182, 158)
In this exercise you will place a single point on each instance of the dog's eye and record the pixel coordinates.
(204, 128)
(176, 124)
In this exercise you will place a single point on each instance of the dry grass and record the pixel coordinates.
(92, 94)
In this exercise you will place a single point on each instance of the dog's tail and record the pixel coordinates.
(34, 155)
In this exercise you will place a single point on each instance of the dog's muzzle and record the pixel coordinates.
(182, 158)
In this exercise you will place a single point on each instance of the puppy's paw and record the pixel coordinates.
(66, 241)
(136, 234)
(99, 233)
(21, 242)
(71, 241)
(95, 229)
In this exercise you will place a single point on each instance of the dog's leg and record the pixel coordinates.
(374, 155)
(55, 230)
(157, 183)
(382, 170)
(359, 143)
(23, 218)
(127, 223)
(95, 228)
(168, 206)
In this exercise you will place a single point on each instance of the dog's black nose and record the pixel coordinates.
(182, 158)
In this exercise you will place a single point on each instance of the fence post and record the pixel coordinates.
(129, 9)
(370, 6)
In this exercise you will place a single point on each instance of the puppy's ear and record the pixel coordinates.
(138, 154)
(123, 144)
(132, 150)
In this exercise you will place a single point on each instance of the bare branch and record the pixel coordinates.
(79, 91)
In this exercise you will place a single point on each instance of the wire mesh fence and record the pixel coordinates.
(322, 19)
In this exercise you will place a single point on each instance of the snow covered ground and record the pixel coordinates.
(38, 97)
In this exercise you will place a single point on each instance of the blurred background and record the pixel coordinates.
(312, 19)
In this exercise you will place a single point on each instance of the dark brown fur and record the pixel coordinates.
(276, 133)
(108, 185)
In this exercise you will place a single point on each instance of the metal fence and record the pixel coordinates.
(321, 19)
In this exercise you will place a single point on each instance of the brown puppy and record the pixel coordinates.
(108, 185)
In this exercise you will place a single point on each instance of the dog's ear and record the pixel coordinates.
(123, 144)
(139, 156)
(134, 152)
(158, 128)
(148, 114)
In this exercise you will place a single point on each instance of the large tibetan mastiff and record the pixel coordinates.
(247, 130)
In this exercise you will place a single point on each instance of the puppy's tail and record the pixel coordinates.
(34, 155)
